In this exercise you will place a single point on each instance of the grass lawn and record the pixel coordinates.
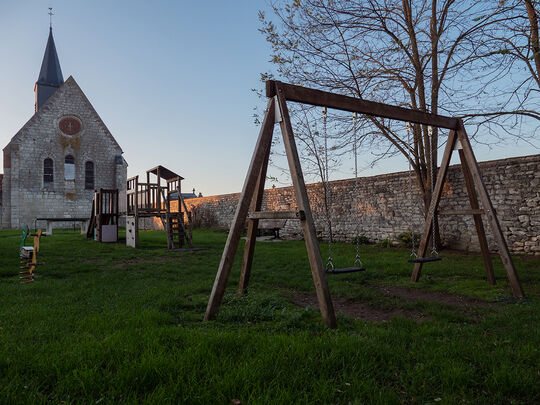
(107, 324)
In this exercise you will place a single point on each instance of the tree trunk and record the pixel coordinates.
(535, 43)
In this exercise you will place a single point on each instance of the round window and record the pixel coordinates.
(69, 125)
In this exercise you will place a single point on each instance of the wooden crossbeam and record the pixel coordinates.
(461, 212)
(277, 215)
(331, 100)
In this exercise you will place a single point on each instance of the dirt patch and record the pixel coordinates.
(129, 262)
(358, 310)
(414, 294)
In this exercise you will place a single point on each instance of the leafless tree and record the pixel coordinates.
(519, 36)
(439, 56)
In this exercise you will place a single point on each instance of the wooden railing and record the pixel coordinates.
(147, 198)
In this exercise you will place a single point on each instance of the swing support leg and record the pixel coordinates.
(312, 245)
(227, 258)
(478, 223)
(473, 183)
(249, 248)
(435, 198)
(504, 253)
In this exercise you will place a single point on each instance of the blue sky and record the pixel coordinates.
(172, 80)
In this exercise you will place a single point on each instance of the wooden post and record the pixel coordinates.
(227, 258)
(478, 223)
(490, 212)
(435, 199)
(249, 248)
(168, 220)
(158, 197)
(100, 215)
(148, 191)
(308, 227)
(137, 211)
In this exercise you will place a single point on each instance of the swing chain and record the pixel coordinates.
(357, 260)
(433, 238)
(329, 262)
(414, 255)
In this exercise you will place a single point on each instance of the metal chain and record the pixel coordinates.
(329, 262)
(357, 260)
(414, 255)
(433, 238)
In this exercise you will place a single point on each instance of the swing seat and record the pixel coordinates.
(345, 270)
(425, 259)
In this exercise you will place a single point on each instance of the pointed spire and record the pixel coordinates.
(50, 75)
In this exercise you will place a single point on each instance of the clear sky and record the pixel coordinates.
(171, 79)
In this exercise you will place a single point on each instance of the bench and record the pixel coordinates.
(49, 227)
(272, 224)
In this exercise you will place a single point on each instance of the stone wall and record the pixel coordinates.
(380, 207)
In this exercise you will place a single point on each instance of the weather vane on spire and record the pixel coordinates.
(50, 16)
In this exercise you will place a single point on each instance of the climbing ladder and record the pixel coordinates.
(173, 223)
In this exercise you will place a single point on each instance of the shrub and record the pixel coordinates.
(361, 240)
(384, 243)
(406, 238)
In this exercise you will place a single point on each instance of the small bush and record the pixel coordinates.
(361, 240)
(384, 243)
(406, 238)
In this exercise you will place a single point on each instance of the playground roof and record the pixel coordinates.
(164, 173)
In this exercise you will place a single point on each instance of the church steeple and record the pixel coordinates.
(50, 75)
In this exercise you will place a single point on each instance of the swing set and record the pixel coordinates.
(250, 202)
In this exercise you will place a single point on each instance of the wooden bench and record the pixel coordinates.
(49, 227)
(274, 225)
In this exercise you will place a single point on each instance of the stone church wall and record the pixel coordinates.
(381, 208)
(24, 195)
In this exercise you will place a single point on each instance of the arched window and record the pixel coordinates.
(89, 175)
(69, 168)
(48, 173)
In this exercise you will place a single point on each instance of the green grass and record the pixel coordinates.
(106, 324)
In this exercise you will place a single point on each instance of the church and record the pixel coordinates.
(53, 164)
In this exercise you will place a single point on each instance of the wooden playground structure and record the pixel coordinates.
(152, 199)
(104, 217)
(250, 202)
(28, 256)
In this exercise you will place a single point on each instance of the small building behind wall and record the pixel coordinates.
(60, 156)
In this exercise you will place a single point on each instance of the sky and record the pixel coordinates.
(172, 80)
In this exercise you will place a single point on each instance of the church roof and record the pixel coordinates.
(60, 93)
(50, 73)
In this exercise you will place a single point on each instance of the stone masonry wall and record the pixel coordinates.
(382, 208)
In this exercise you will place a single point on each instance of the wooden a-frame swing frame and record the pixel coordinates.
(250, 202)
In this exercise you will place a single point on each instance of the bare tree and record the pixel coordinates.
(519, 35)
(438, 56)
